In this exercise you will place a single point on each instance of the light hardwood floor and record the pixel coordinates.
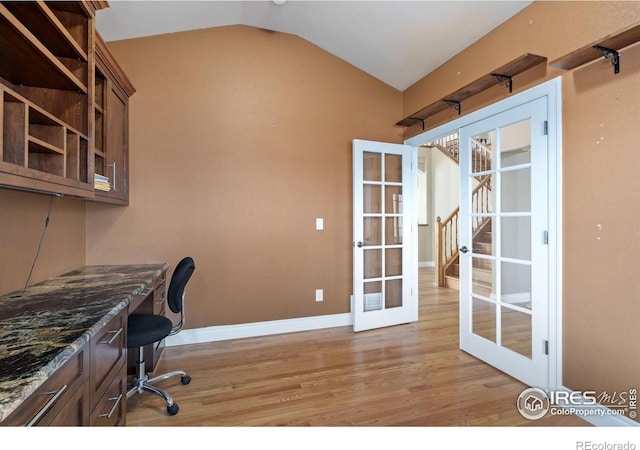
(407, 375)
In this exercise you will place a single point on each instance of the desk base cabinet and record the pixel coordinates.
(63, 399)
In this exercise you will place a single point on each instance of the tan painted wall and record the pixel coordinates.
(240, 138)
(601, 189)
(22, 219)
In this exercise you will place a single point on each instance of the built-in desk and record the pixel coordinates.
(71, 325)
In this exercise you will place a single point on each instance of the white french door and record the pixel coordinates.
(504, 252)
(384, 258)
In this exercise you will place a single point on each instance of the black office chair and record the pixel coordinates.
(145, 329)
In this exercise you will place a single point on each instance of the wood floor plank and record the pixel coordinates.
(407, 375)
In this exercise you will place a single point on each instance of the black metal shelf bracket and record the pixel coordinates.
(454, 104)
(609, 53)
(419, 120)
(507, 80)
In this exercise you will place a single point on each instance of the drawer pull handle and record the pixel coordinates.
(113, 338)
(161, 282)
(116, 401)
(161, 301)
(48, 405)
(147, 292)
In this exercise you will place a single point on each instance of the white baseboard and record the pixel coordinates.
(426, 264)
(245, 330)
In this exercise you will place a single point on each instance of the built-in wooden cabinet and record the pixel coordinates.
(108, 377)
(63, 399)
(111, 115)
(46, 81)
(64, 109)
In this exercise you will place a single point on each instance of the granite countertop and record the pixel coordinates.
(42, 327)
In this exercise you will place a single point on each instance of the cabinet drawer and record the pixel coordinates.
(160, 295)
(111, 409)
(61, 400)
(108, 353)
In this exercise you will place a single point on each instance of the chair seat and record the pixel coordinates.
(144, 329)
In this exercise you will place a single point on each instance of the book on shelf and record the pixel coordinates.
(101, 183)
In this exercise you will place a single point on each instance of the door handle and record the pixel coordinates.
(359, 244)
(464, 249)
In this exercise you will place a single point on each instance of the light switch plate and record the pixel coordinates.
(319, 223)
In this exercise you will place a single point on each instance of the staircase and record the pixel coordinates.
(447, 231)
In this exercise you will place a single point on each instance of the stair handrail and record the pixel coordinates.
(447, 231)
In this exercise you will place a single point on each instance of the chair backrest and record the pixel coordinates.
(179, 280)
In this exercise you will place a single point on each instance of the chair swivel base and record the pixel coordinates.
(142, 382)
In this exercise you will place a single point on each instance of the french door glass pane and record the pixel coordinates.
(372, 231)
(516, 330)
(393, 199)
(393, 231)
(516, 282)
(372, 296)
(393, 168)
(372, 166)
(393, 293)
(372, 199)
(393, 262)
(515, 144)
(515, 190)
(484, 319)
(372, 264)
(516, 237)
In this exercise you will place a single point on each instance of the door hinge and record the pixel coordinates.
(545, 238)
(546, 128)
(546, 347)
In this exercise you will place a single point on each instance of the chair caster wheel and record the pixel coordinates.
(173, 409)
(185, 379)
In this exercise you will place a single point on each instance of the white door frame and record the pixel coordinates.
(551, 89)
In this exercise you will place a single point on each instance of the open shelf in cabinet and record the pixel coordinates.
(34, 62)
(38, 148)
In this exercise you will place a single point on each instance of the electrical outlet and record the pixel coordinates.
(319, 223)
(319, 295)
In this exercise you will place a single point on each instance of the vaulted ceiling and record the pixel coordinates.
(398, 42)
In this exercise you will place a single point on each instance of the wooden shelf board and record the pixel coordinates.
(33, 64)
(50, 30)
(587, 53)
(39, 146)
(511, 69)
